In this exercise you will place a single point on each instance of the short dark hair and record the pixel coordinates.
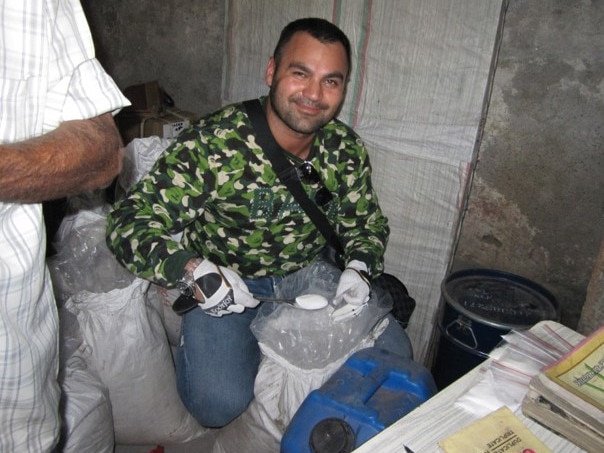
(320, 29)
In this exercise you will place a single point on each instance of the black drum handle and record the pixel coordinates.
(466, 326)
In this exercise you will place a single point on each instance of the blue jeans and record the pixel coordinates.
(218, 359)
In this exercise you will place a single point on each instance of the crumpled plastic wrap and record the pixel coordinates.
(139, 157)
(311, 339)
(83, 261)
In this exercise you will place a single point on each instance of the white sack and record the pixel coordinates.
(164, 298)
(86, 410)
(85, 405)
(129, 350)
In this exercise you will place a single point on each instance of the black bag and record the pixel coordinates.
(403, 304)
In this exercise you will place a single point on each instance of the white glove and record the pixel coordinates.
(354, 289)
(223, 291)
(347, 311)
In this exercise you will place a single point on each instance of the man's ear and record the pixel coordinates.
(270, 71)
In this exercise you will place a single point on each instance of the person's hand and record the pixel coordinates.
(353, 289)
(220, 290)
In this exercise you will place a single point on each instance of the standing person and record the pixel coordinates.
(56, 139)
(242, 231)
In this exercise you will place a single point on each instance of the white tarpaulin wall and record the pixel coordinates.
(421, 72)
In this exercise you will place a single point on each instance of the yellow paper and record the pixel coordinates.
(580, 371)
(499, 432)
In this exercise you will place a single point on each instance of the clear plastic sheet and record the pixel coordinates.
(83, 261)
(139, 157)
(506, 378)
(312, 339)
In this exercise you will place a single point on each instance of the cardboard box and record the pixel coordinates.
(166, 125)
(146, 97)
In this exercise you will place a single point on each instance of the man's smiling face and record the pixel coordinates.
(307, 83)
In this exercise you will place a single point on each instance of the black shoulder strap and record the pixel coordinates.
(287, 172)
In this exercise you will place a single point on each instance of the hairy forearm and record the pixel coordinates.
(76, 157)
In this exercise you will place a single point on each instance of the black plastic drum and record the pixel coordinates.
(480, 306)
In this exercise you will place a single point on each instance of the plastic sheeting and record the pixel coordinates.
(421, 73)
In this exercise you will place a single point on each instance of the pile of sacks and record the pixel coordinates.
(118, 331)
(117, 372)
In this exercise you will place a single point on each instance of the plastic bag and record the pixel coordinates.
(301, 350)
(506, 377)
(139, 157)
(279, 390)
(164, 298)
(86, 409)
(312, 339)
(82, 261)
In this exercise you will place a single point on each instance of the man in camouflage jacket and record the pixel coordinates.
(239, 229)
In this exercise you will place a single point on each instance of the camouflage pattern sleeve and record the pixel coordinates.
(360, 223)
(143, 227)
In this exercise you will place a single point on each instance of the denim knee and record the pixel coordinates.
(216, 365)
(217, 409)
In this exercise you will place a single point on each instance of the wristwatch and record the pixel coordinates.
(186, 285)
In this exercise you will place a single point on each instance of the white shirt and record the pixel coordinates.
(48, 74)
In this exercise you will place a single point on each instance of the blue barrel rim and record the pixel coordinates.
(502, 276)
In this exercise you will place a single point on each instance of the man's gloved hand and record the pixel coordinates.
(222, 291)
(354, 286)
(354, 289)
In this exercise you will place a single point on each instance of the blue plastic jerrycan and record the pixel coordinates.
(369, 392)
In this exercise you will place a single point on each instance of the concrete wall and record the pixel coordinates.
(537, 201)
(536, 207)
(177, 42)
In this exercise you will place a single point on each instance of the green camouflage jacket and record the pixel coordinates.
(215, 186)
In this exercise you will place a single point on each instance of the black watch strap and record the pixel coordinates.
(364, 275)
(184, 304)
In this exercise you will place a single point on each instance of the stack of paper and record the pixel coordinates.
(568, 396)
